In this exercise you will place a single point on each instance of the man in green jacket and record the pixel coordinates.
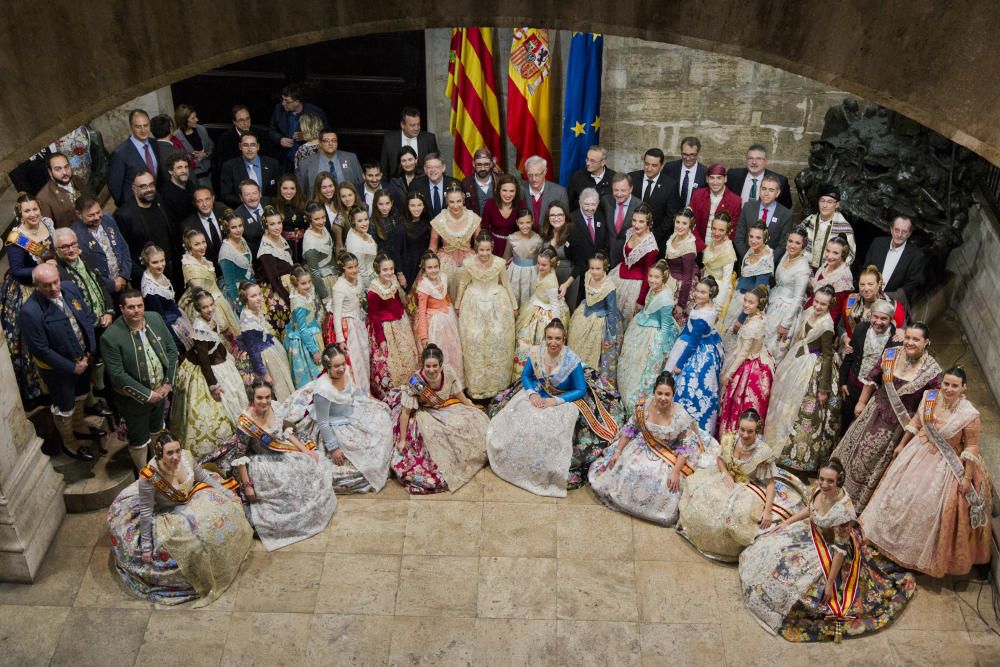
(141, 360)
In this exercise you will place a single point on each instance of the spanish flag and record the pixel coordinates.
(472, 88)
(528, 107)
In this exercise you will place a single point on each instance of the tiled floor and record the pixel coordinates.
(491, 575)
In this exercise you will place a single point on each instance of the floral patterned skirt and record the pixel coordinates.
(200, 422)
(749, 387)
(276, 308)
(393, 359)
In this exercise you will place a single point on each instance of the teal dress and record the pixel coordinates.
(648, 340)
(236, 267)
(303, 338)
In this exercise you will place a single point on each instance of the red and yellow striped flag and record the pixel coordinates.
(528, 105)
(472, 88)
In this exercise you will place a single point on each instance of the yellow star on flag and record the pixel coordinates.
(579, 129)
(597, 123)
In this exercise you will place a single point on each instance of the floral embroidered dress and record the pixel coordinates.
(637, 484)
(842, 281)
(237, 266)
(320, 258)
(454, 242)
(200, 274)
(304, 338)
(436, 322)
(784, 303)
(267, 354)
(784, 574)
(916, 516)
(746, 376)
(682, 258)
(445, 441)
(346, 327)
(390, 337)
(751, 275)
(365, 249)
(867, 446)
(629, 276)
(158, 297)
(532, 318)
(274, 268)
(698, 355)
(486, 323)
(801, 428)
(646, 346)
(720, 522)
(522, 269)
(595, 330)
(195, 529)
(719, 260)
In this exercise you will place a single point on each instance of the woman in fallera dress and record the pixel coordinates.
(756, 269)
(440, 435)
(931, 510)
(545, 305)
(268, 358)
(209, 395)
(303, 335)
(274, 263)
(719, 260)
(286, 485)
(521, 253)
(638, 256)
(803, 416)
(362, 245)
(748, 372)
(435, 320)
(681, 254)
(814, 578)
(486, 310)
(452, 232)
(500, 213)
(890, 397)
(318, 253)
(648, 339)
(235, 259)
(858, 307)
(390, 336)
(835, 272)
(158, 296)
(643, 473)
(346, 324)
(696, 359)
(723, 508)
(595, 331)
(784, 305)
(199, 276)
(178, 533)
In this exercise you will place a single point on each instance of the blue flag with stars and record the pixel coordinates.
(582, 112)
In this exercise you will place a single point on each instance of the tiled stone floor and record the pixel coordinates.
(491, 575)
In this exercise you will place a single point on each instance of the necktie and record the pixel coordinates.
(753, 189)
(619, 219)
(213, 232)
(646, 191)
(763, 216)
(435, 200)
(149, 159)
(590, 228)
(684, 187)
(333, 171)
(252, 173)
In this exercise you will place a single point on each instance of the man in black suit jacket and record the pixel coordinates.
(207, 219)
(741, 181)
(143, 219)
(178, 192)
(432, 185)
(424, 143)
(658, 190)
(227, 145)
(266, 171)
(689, 166)
(590, 219)
(251, 212)
(866, 346)
(902, 263)
(620, 200)
(597, 174)
(130, 157)
(777, 217)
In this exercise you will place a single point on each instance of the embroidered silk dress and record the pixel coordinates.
(237, 266)
(841, 279)
(522, 270)
(629, 276)
(719, 261)
(304, 338)
(784, 303)
(698, 355)
(158, 297)
(200, 274)
(646, 346)
(346, 326)
(436, 322)
(486, 322)
(866, 448)
(783, 576)
(747, 376)
(266, 353)
(751, 275)
(544, 306)
(390, 337)
(445, 442)
(916, 516)
(274, 266)
(365, 251)
(320, 258)
(682, 258)
(454, 242)
(595, 330)
(195, 529)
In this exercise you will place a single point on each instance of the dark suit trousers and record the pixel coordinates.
(141, 419)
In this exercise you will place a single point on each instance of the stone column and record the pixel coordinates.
(31, 492)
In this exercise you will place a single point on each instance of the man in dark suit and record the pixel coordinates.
(688, 172)
(617, 209)
(343, 165)
(58, 330)
(590, 219)
(480, 185)
(746, 182)
(777, 217)
(102, 243)
(658, 190)
(251, 211)
(251, 165)
(227, 146)
(143, 219)
(374, 181)
(207, 219)
(863, 352)
(410, 134)
(56, 197)
(432, 185)
(537, 192)
(285, 131)
(902, 263)
(135, 154)
(596, 174)
(96, 287)
(178, 192)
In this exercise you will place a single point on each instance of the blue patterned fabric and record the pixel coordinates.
(700, 364)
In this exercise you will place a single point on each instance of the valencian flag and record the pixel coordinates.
(528, 107)
(582, 116)
(472, 87)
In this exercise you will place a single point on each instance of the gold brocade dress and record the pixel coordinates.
(486, 324)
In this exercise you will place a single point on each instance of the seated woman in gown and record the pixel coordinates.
(931, 510)
(786, 574)
(643, 474)
(286, 484)
(544, 438)
(724, 508)
(178, 533)
(440, 434)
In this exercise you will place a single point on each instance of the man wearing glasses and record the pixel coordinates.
(747, 182)
(688, 172)
(142, 219)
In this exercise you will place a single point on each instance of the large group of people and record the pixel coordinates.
(670, 336)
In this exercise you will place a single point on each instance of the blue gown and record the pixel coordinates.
(698, 355)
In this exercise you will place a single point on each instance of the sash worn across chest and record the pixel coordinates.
(153, 476)
(659, 447)
(603, 424)
(430, 397)
(251, 428)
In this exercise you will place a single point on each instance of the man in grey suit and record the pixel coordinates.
(537, 193)
(768, 209)
(343, 165)
(618, 208)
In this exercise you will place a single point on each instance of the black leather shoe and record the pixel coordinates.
(95, 434)
(82, 454)
(99, 410)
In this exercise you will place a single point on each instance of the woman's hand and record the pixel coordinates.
(317, 358)
(537, 401)
(782, 332)
(858, 408)
(249, 493)
(147, 556)
(613, 461)
(401, 279)
(898, 450)
(268, 378)
(675, 371)
(765, 519)
(401, 443)
(338, 457)
(313, 454)
(823, 397)
(216, 393)
(674, 481)
(844, 392)
(827, 593)
(963, 486)
(728, 481)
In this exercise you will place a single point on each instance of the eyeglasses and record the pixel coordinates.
(67, 246)
(144, 186)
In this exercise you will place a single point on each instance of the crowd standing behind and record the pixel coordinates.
(309, 323)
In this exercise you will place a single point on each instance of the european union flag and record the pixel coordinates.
(582, 114)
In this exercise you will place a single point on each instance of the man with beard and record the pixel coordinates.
(251, 212)
(56, 198)
(480, 185)
(143, 219)
(178, 192)
(374, 182)
(865, 349)
(102, 243)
